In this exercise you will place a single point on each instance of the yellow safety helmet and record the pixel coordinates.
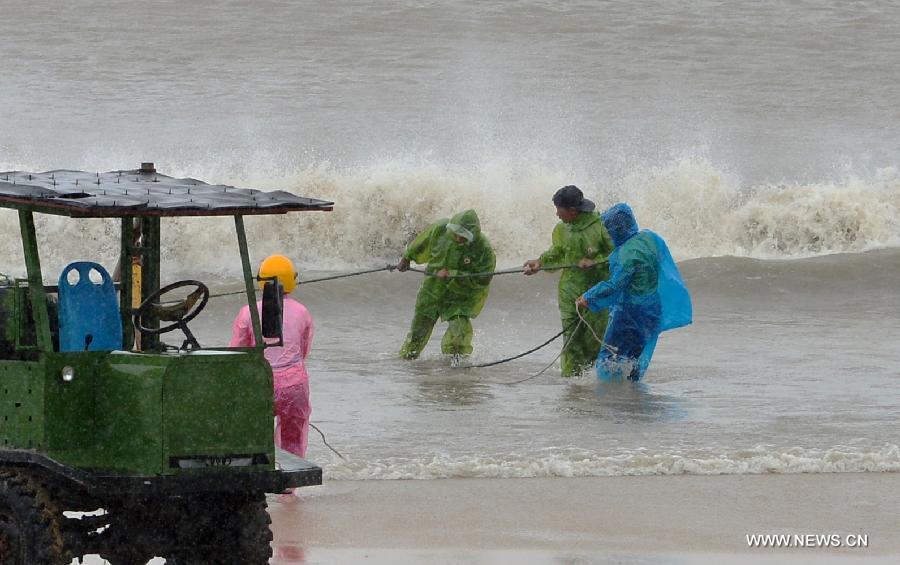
(281, 267)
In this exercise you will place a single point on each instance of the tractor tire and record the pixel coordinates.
(30, 523)
(226, 532)
(199, 530)
(253, 535)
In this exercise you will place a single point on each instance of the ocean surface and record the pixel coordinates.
(758, 138)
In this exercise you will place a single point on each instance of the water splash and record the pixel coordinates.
(574, 462)
(699, 208)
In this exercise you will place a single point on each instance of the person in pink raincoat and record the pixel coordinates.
(292, 406)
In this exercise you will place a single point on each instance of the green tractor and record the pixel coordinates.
(112, 442)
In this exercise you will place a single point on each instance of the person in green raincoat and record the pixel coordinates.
(450, 248)
(579, 239)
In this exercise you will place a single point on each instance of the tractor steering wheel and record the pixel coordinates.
(180, 313)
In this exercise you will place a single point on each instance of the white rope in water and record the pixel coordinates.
(603, 344)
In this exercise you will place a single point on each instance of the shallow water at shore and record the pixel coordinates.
(779, 373)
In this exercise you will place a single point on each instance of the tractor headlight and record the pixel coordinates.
(68, 374)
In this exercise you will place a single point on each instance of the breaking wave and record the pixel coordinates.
(571, 462)
(700, 209)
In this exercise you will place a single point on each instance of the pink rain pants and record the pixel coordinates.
(292, 407)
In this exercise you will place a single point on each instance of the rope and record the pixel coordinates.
(491, 273)
(310, 281)
(561, 351)
(546, 343)
(336, 452)
(603, 344)
(353, 274)
(581, 321)
(393, 267)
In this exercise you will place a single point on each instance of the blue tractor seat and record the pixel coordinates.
(89, 318)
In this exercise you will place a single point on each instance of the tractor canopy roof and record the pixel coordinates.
(140, 192)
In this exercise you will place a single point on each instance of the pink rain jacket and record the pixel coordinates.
(288, 362)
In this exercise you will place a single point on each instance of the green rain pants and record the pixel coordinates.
(457, 339)
(583, 347)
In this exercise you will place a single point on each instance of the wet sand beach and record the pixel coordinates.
(654, 519)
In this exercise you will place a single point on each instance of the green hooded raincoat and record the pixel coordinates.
(585, 237)
(453, 300)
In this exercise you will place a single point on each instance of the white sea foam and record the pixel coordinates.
(697, 207)
(573, 462)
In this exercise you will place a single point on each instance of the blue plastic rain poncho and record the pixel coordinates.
(644, 293)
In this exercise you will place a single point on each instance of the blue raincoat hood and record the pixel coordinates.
(620, 223)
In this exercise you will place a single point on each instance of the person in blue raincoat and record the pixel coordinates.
(645, 295)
